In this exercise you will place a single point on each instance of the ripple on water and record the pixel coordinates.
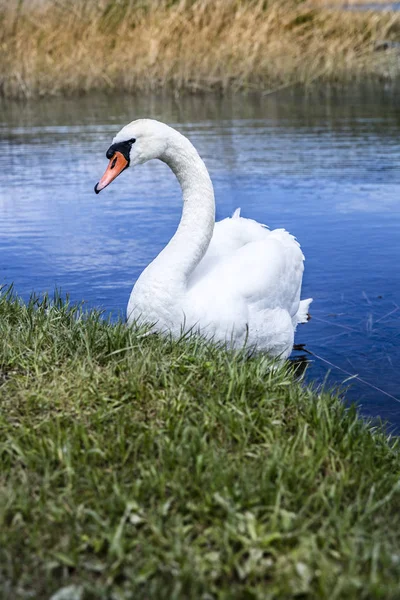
(324, 167)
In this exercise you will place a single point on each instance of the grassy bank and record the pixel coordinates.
(136, 467)
(53, 47)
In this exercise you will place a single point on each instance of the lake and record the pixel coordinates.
(323, 164)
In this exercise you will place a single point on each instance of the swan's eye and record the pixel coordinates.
(132, 141)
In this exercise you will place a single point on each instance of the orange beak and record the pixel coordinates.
(117, 164)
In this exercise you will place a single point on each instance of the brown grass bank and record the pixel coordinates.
(76, 46)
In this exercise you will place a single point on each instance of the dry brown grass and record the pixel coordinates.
(53, 47)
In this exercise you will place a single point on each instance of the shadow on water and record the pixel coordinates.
(323, 164)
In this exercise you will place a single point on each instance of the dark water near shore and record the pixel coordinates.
(324, 165)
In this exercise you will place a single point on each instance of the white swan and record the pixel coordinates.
(233, 280)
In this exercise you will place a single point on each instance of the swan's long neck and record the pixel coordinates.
(190, 242)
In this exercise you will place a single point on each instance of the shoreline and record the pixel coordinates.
(140, 466)
(201, 46)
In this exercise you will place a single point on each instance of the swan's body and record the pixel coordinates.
(234, 280)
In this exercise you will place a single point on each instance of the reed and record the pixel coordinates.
(53, 47)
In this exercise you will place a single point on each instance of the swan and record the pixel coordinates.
(233, 281)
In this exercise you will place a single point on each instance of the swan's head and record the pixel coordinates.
(135, 144)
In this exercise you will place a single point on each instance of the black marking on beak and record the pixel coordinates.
(123, 147)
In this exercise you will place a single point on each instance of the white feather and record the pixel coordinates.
(234, 280)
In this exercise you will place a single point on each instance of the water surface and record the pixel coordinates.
(375, 6)
(324, 165)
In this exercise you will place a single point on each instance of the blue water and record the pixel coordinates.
(375, 6)
(324, 165)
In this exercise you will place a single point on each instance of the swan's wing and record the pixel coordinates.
(229, 235)
(266, 274)
(291, 280)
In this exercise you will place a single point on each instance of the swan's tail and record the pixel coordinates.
(303, 315)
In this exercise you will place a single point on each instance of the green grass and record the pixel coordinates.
(138, 467)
